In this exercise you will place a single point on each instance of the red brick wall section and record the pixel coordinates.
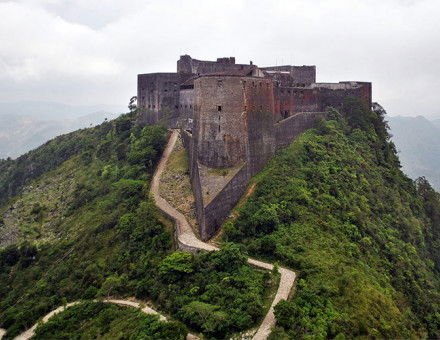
(291, 100)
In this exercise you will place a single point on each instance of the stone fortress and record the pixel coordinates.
(233, 117)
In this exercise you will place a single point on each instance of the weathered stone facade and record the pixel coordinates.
(233, 118)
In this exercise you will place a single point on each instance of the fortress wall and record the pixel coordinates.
(158, 96)
(303, 100)
(299, 75)
(287, 130)
(184, 65)
(366, 92)
(217, 211)
(328, 96)
(188, 143)
(281, 68)
(186, 108)
(204, 67)
(198, 195)
(189, 66)
(303, 75)
(259, 103)
(220, 207)
(219, 122)
(291, 100)
(236, 120)
(283, 79)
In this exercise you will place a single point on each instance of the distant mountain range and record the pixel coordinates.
(54, 111)
(418, 141)
(26, 125)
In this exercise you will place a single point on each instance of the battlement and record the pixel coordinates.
(230, 60)
(188, 66)
(235, 116)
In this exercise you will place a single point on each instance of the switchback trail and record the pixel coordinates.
(144, 309)
(188, 241)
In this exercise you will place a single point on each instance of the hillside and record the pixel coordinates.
(363, 237)
(77, 223)
(418, 142)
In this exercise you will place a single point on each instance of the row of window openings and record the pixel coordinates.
(219, 108)
(175, 106)
(167, 83)
(253, 84)
(166, 90)
(296, 93)
(277, 84)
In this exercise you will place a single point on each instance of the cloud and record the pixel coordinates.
(90, 51)
(36, 43)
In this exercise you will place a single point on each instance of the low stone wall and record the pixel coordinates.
(211, 217)
(188, 143)
(288, 129)
(219, 208)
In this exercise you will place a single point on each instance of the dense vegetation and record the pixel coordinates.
(94, 320)
(14, 174)
(111, 241)
(364, 238)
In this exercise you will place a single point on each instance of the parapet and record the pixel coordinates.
(230, 60)
(189, 66)
(289, 75)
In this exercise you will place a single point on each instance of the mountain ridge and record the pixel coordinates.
(418, 142)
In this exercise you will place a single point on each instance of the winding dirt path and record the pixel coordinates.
(147, 310)
(188, 241)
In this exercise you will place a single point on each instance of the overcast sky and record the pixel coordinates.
(90, 51)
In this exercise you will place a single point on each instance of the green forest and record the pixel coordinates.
(93, 320)
(104, 237)
(334, 206)
(363, 238)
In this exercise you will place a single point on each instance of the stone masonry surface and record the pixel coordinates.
(235, 116)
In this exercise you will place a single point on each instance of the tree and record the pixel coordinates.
(112, 283)
(175, 265)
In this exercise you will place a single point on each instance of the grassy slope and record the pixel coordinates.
(106, 238)
(336, 207)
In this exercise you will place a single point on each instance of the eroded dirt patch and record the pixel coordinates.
(175, 184)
